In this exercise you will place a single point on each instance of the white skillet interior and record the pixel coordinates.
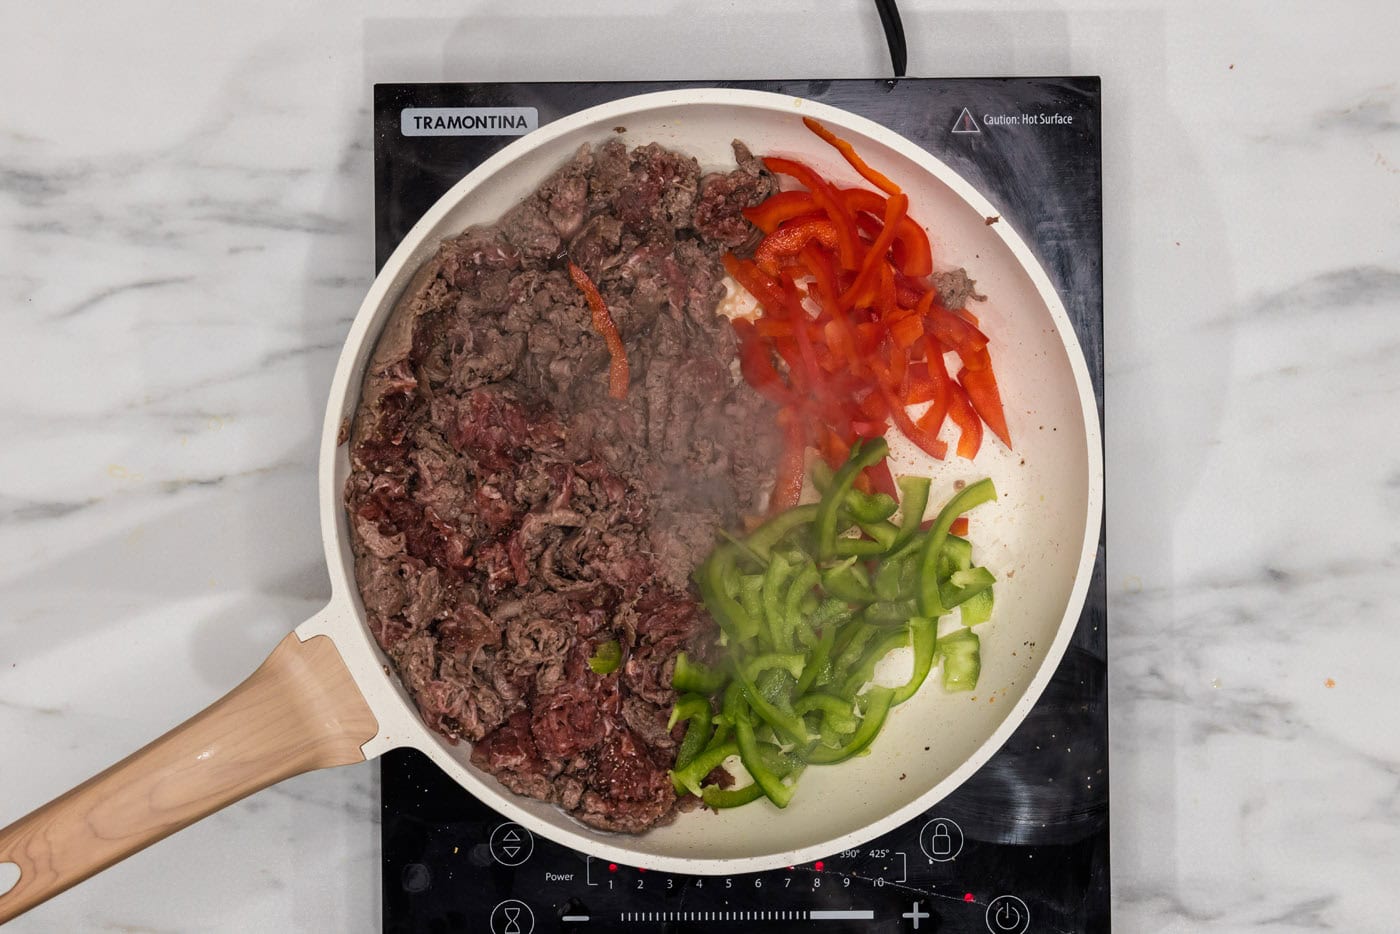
(1039, 538)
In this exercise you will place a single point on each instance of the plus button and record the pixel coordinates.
(915, 915)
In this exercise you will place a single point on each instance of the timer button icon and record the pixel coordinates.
(1007, 914)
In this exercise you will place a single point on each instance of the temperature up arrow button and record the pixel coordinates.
(511, 844)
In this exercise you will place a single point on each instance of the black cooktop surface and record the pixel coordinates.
(1023, 845)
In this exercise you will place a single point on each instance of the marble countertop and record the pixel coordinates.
(185, 232)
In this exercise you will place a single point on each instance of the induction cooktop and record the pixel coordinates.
(1022, 846)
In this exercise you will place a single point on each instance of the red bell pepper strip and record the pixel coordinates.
(881, 480)
(789, 240)
(981, 387)
(848, 152)
(618, 373)
(757, 283)
(911, 250)
(954, 332)
(826, 198)
(960, 410)
(959, 527)
(791, 465)
(783, 206)
(875, 258)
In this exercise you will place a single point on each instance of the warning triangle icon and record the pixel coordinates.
(965, 123)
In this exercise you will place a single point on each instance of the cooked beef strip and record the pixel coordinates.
(509, 517)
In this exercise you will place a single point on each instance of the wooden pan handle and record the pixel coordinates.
(299, 711)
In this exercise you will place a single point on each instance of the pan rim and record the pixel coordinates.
(344, 618)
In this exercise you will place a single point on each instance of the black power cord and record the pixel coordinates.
(894, 35)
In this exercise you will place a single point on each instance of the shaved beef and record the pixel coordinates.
(509, 517)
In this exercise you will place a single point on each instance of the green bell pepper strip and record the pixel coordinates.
(863, 456)
(951, 595)
(848, 582)
(788, 726)
(729, 706)
(714, 576)
(859, 547)
(837, 712)
(693, 773)
(870, 507)
(888, 613)
(924, 634)
(721, 798)
(885, 532)
(791, 662)
(977, 609)
(750, 595)
(913, 499)
(606, 657)
(816, 661)
(957, 555)
(854, 648)
(877, 708)
(763, 776)
(762, 539)
(821, 475)
(864, 669)
(695, 677)
(831, 612)
(962, 660)
(774, 580)
(689, 707)
(968, 497)
(696, 711)
(744, 548)
(887, 578)
(795, 620)
(972, 577)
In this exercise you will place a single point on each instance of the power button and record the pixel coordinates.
(1007, 914)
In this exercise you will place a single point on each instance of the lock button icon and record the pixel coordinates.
(941, 839)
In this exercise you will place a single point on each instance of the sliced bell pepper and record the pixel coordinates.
(969, 497)
(924, 636)
(783, 206)
(618, 373)
(722, 798)
(787, 489)
(913, 500)
(693, 773)
(962, 413)
(847, 245)
(869, 453)
(695, 677)
(606, 657)
(838, 712)
(910, 250)
(763, 776)
(849, 153)
(962, 660)
(877, 709)
(981, 389)
(788, 240)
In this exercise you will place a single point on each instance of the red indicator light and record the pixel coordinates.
(819, 865)
(612, 867)
(967, 897)
(640, 869)
(791, 868)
